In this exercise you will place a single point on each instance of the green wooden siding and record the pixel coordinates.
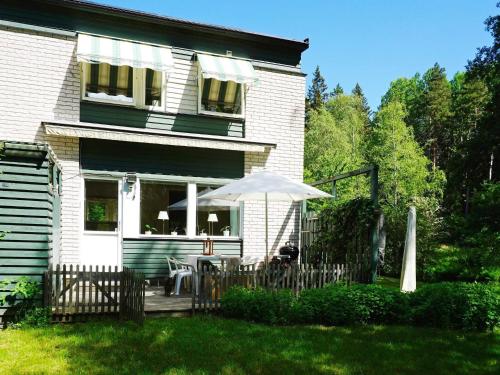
(128, 27)
(159, 159)
(25, 213)
(148, 255)
(138, 118)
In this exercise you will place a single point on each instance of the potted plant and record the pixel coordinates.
(174, 231)
(202, 232)
(149, 229)
(226, 231)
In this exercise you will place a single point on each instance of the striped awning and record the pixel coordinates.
(227, 69)
(98, 49)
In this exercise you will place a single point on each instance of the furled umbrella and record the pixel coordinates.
(266, 186)
(409, 268)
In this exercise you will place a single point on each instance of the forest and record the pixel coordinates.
(436, 142)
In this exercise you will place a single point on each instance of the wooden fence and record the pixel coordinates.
(214, 282)
(78, 293)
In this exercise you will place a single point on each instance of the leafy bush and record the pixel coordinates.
(22, 297)
(446, 305)
(340, 304)
(457, 305)
(258, 305)
(36, 317)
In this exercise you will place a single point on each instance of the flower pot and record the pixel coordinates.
(173, 233)
(226, 233)
(148, 233)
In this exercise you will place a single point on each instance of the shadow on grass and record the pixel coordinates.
(212, 345)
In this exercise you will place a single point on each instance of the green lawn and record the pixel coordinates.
(213, 345)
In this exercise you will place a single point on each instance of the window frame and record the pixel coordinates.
(191, 220)
(141, 83)
(138, 91)
(201, 111)
(84, 205)
(152, 235)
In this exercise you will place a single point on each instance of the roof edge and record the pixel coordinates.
(177, 22)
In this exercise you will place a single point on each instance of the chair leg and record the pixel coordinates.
(178, 284)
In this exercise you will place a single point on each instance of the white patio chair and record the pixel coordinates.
(178, 271)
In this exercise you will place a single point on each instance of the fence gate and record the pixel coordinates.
(77, 293)
(132, 292)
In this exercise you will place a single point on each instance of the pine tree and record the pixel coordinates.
(436, 108)
(469, 100)
(357, 92)
(317, 94)
(338, 90)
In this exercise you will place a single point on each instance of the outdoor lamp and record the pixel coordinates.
(163, 215)
(212, 218)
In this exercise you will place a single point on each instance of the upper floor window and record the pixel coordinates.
(106, 82)
(123, 72)
(222, 96)
(222, 83)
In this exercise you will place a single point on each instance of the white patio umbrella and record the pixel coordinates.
(205, 203)
(409, 268)
(266, 186)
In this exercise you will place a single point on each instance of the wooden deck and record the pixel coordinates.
(156, 302)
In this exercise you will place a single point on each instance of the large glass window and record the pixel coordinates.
(156, 197)
(221, 96)
(216, 217)
(109, 82)
(101, 205)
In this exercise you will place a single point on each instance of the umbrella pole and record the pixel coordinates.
(267, 240)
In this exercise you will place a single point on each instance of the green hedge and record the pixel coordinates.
(446, 305)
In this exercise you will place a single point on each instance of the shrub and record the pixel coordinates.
(457, 305)
(358, 304)
(258, 305)
(444, 305)
(36, 317)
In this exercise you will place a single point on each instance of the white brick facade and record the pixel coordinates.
(40, 81)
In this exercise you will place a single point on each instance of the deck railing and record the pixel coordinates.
(214, 282)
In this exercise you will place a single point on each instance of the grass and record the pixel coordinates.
(206, 345)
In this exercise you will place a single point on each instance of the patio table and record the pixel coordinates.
(194, 261)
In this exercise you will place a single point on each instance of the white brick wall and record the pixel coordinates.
(39, 80)
(275, 114)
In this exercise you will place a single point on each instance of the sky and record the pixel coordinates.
(371, 42)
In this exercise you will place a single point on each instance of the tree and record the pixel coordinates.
(337, 91)
(470, 97)
(408, 92)
(334, 142)
(436, 107)
(484, 147)
(404, 172)
(317, 94)
(405, 179)
(358, 91)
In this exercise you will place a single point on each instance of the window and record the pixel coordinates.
(156, 197)
(225, 213)
(153, 88)
(123, 85)
(104, 82)
(101, 205)
(222, 97)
